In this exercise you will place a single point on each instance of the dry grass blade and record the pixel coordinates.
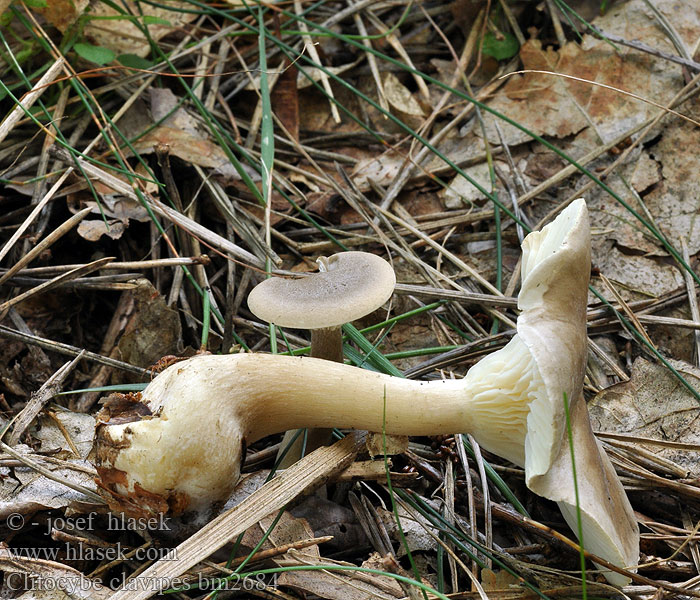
(68, 350)
(311, 471)
(45, 243)
(56, 281)
(464, 296)
(39, 400)
(692, 298)
(30, 98)
(49, 474)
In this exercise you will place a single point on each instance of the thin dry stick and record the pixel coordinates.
(684, 489)
(600, 353)
(659, 320)
(488, 526)
(136, 265)
(30, 98)
(554, 17)
(56, 281)
(692, 297)
(627, 310)
(635, 440)
(64, 432)
(670, 30)
(461, 295)
(637, 45)
(514, 26)
(39, 398)
(310, 47)
(449, 515)
(55, 235)
(68, 350)
(474, 530)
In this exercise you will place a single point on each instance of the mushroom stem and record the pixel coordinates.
(327, 343)
(250, 396)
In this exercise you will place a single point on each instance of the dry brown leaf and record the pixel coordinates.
(191, 149)
(106, 27)
(94, 230)
(285, 99)
(153, 331)
(115, 212)
(46, 579)
(179, 130)
(647, 172)
(122, 36)
(24, 491)
(339, 585)
(79, 426)
(653, 404)
(400, 97)
(382, 170)
(665, 175)
(460, 193)
(63, 13)
(557, 107)
(499, 580)
(636, 276)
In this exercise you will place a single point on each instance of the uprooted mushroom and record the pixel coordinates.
(186, 453)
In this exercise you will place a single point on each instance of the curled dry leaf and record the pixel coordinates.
(113, 213)
(401, 98)
(153, 331)
(108, 28)
(178, 130)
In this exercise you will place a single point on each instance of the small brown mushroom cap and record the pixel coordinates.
(348, 286)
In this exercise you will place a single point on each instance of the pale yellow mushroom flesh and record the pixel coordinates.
(186, 454)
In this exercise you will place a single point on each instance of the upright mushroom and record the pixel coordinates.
(186, 452)
(348, 286)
